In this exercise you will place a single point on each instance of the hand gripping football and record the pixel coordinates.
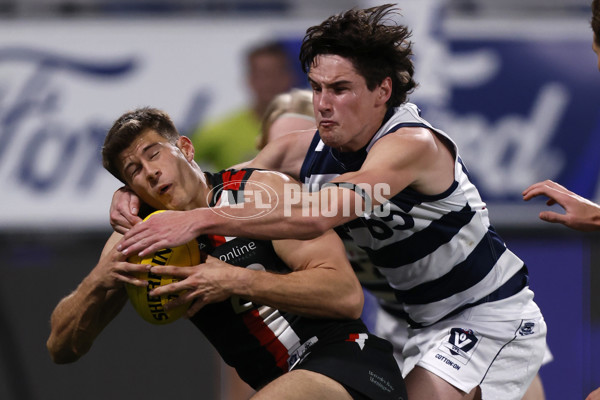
(151, 308)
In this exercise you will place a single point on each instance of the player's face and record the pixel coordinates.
(596, 49)
(348, 114)
(161, 173)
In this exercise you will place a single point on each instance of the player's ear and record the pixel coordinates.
(187, 148)
(384, 90)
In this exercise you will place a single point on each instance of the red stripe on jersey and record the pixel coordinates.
(257, 327)
(232, 182)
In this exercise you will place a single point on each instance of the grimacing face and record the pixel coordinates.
(161, 173)
(347, 112)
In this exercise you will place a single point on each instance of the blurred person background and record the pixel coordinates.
(514, 82)
(231, 139)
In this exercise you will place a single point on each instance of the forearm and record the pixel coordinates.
(79, 318)
(316, 292)
(302, 219)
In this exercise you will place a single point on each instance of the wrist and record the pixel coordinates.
(93, 286)
(201, 220)
(241, 281)
(596, 219)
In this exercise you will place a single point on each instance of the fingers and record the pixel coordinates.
(134, 207)
(539, 187)
(123, 211)
(171, 270)
(132, 280)
(138, 241)
(129, 272)
(164, 230)
(194, 308)
(556, 193)
(171, 288)
(141, 246)
(550, 216)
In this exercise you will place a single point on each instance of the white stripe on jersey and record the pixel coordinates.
(507, 265)
(280, 328)
(436, 264)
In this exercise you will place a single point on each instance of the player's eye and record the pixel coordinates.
(133, 171)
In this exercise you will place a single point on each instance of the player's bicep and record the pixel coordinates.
(325, 251)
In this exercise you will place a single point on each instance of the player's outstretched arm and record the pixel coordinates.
(322, 283)
(82, 315)
(287, 211)
(276, 208)
(580, 213)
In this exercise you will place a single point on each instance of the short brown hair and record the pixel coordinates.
(377, 50)
(296, 101)
(127, 128)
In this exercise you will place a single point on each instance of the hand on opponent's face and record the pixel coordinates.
(124, 208)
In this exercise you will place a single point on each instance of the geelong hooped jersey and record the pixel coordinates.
(260, 342)
(438, 253)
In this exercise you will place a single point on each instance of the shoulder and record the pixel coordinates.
(405, 139)
(285, 154)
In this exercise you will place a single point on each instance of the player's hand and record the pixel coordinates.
(206, 283)
(113, 270)
(124, 208)
(580, 213)
(595, 395)
(164, 230)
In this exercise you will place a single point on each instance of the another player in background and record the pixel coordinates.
(475, 329)
(580, 213)
(231, 139)
(287, 113)
(285, 314)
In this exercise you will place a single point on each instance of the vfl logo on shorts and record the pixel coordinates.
(527, 329)
(460, 344)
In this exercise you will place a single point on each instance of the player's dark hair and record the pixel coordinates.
(596, 21)
(127, 128)
(376, 46)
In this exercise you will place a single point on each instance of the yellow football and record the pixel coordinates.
(151, 308)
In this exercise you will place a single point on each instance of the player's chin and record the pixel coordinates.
(330, 139)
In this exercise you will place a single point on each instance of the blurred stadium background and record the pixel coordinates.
(515, 83)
